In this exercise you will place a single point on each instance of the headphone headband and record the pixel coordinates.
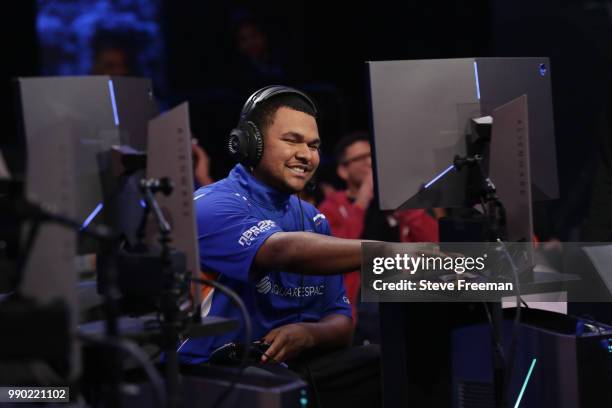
(245, 143)
(268, 92)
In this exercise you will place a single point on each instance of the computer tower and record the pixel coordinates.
(560, 361)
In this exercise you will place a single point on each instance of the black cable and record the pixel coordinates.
(248, 330)
(29, 244)
(301, 213)
(301, 274)
(517, 315)
(248, 327)
(496, 339)
(142, 358)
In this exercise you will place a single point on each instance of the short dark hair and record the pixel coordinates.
(263, 114)
(346, 141)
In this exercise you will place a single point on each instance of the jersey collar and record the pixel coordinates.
(258, 191)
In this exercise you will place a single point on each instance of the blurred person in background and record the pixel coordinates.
(352, 213)
(114, 54)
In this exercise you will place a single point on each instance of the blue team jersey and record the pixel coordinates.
(234, 218)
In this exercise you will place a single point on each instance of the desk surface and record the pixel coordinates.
(147, 328)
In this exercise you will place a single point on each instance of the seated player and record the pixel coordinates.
(257, 237)
(274, 250)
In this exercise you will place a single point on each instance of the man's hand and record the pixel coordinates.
(287, 342)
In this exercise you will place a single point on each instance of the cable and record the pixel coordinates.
(300, 307)
(301, 213)
(517, 316)
(248, 330)
(29, 244)
(496, 339)
(142, 358)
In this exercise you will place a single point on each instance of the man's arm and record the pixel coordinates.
(287, 342)
(309, 253)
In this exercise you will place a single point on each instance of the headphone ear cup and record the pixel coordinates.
(245, 144)
(255, 143)
(236, 145)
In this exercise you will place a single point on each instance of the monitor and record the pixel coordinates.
(169, 155)
(101, 112)
(421, 111)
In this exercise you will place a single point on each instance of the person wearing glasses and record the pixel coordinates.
(352, 213)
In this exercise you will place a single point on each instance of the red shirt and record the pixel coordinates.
(346, 221)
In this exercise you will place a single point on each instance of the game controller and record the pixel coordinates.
(232, 353)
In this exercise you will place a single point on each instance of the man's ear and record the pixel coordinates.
(342, 172)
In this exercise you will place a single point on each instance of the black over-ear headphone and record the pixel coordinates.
(246, 140)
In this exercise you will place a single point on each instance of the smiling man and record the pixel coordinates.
(273, 249)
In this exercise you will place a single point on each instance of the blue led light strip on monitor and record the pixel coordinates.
(477, 80)
(91, 216)
(439, 176)
(113, 102)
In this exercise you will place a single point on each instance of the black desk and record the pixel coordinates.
(142, 329)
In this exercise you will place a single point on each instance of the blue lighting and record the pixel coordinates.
(518, 400)
(543, 69)
(68, 29)
(143, 204)
(477, 80)
(112, 95)
(91, 216)
(439, 176)
(303, 399)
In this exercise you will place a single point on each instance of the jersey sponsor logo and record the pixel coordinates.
(264, 285)
(251, 234)
(318, 219)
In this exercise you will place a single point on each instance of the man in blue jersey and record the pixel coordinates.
(274, 250)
